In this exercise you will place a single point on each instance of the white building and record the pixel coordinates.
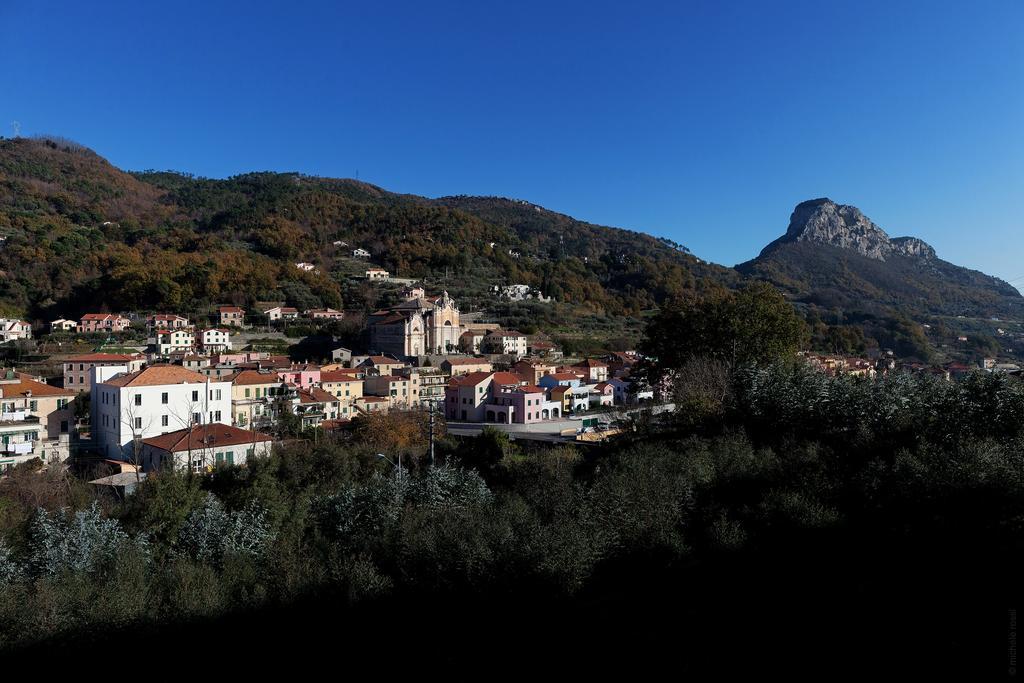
(203, 448)
(281, 313)
(377, 274)
(360, 253)
(507, 342)
(153, 401)
(63, 325)
(215, 340)
(308, 267)
(171, 341)
(11, 330)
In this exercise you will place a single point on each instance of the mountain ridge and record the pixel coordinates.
(834, 256)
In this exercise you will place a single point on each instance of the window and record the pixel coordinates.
(71, 379)
(138, 423)
(195, 395)
(138, 399)
(33, 405)
(64, 426)
(197, 418)
(163, 420)
(163, 398)
(216, 417)
(247, 391)
(218, 394)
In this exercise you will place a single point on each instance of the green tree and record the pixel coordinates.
(753, 325)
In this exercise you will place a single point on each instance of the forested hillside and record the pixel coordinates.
(83, 235)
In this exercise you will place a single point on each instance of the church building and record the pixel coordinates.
(417, 326)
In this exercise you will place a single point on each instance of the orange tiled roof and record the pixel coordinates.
(249, 377)
(348, 375)
(158, 374)
(26, 384)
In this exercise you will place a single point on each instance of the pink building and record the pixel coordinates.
(103, 322)
(302, 376)
(498, 397)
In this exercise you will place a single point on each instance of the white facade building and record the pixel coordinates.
(171, 341)
(153, 401)
(216, 339)
(12, 330)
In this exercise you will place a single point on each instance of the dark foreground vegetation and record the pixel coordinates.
(791, 522)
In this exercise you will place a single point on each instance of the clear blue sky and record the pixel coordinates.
(701, 121)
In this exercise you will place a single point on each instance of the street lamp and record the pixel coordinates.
(398, 466)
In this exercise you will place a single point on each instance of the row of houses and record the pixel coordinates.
(226, 316)
(535, 391)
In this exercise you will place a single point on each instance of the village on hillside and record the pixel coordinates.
(201, 393)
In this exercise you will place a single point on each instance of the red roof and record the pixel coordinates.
(381, 360)
(158, 374)
(316, 395)
(230, 309)
(470, 379)
(591, 363)
(347, 375)
(563, 376)
(531, 389)
(26, 384)
(205, 436)
(246, 377)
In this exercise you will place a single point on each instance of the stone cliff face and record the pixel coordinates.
(839, 225)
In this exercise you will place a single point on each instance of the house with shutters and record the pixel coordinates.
(378, 365)
(13, 330)
(397, 390)
(505, 342)
(167, 342)
(77, 369)
(203, 448)
(36, 420)
(533, 369)
(232, 316)
(463, 365)
(301, 375)
(256, 397)
(315, 405)
(215, 340)
(166, 321)
(593, 370)
(602, 394)
(92, 323)
(498, 397)
(281, 313)
(346, 385)
(324, 314)
(129, 406)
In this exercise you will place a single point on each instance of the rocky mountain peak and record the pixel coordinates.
(844, 226)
